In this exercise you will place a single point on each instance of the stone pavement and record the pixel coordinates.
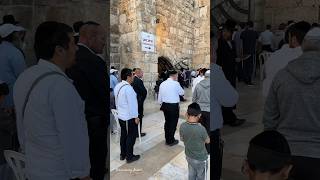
(160, 162)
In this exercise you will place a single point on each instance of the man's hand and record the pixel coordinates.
(137, 120)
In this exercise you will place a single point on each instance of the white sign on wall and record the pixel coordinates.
(147, 42)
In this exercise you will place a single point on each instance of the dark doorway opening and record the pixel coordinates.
(164, 65)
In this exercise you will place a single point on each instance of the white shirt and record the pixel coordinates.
(266, 37)
(196, 81)
(277, 61)
(126, 101)
(170, 91)
(53, 133)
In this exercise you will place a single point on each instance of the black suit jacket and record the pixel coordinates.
(141, 91)
(226, 58)
(89, 76)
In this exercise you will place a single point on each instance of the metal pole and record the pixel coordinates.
(249, 14)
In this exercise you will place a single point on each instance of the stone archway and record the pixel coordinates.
(164, 64)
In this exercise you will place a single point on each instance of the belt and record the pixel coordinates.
(171, 103)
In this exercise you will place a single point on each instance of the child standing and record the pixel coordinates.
(195, 136)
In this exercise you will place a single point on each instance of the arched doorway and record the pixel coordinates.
(164, 64)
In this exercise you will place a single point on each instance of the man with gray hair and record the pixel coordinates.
(292, 108)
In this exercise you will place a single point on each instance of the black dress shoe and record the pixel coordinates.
(175, 142)
(122, 158)
(134, 158)
(237, 122)
(142, 134)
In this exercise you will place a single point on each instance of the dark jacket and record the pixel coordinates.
(292, 106)
(89, 76)
(7, 130)
(226, 58)
(141, 91)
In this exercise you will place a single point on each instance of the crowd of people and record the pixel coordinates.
(57, 109)
(56, 112)
(289, 146)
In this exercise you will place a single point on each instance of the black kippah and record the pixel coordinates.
(265, 159)
(172, 72)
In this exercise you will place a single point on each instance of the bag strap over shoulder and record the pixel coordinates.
(34, 84)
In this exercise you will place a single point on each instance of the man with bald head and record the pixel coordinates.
(89, 76)
(141, 91)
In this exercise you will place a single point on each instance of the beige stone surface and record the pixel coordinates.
(276, 12)
(30, 13)
(181, 28)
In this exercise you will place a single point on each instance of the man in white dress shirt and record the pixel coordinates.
(198, 79)
(51, 123)
(127, 106)
(169, 93)
(266, 38)
(288, 52)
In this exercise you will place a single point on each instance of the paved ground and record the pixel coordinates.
(160, 162)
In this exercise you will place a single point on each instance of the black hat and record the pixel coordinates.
(173, 72)
(9, 19)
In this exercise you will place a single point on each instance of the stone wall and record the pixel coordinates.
(175, 29)
(201, 54)
(181, 28)
(278, 11)
(30, 13)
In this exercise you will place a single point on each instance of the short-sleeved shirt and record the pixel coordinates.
(194, 137)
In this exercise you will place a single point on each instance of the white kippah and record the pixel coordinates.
(207, 73)
(314, 33)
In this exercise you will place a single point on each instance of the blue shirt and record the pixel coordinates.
(53, 133)
(113, 81)
(12, 64)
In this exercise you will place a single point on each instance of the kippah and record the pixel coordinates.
(266, 159)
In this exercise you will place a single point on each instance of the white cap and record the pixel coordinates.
(314, 34)
(7, 29)
(113, 70)
(207, 74)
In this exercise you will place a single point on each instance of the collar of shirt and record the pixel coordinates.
(124, 82)
(83, 45)
(52, 67)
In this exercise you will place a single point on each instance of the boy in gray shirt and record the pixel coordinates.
(195, 136)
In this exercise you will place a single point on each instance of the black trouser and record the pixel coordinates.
(266, 48)
(248, 69)
(205, 121)
(228, 115)
(239, 71)
(98, 146)
(129, 130)
(140, 116)
(171, 115)
(217, 153)
(305, 168)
